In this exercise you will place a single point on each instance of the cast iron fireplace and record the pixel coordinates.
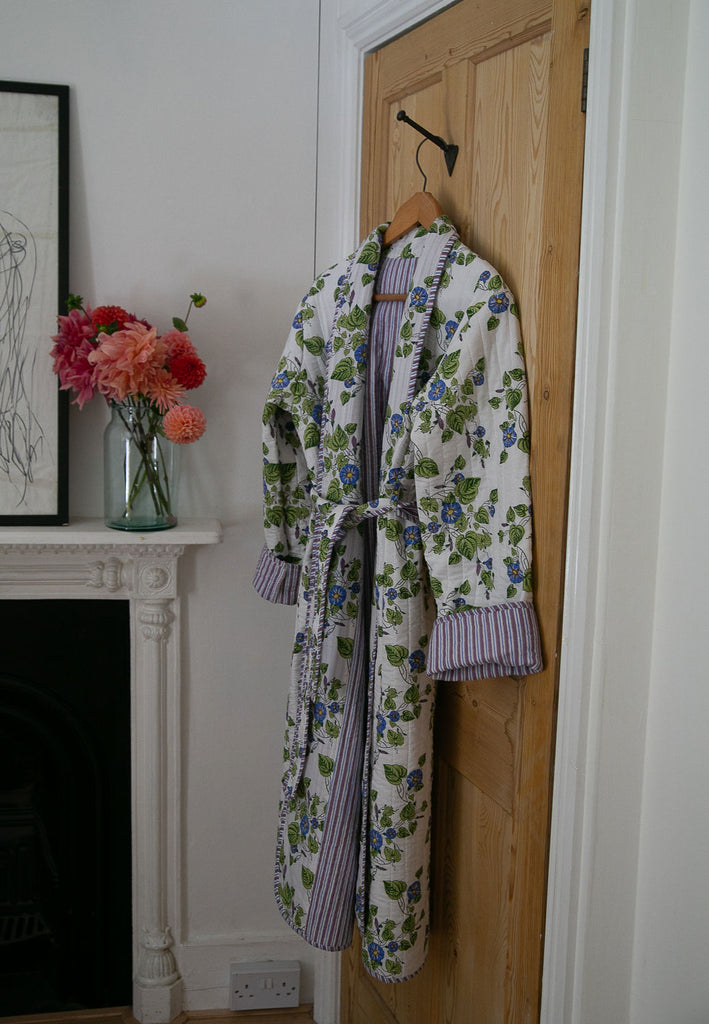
(65, 806)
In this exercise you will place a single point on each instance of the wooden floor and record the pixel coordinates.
(123, 1015)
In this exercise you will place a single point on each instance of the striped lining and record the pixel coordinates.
(275, 579)
(485, 643)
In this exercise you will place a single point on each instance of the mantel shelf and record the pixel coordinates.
(93, 533)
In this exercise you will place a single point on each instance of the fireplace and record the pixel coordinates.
(65, 808)
(138, 572)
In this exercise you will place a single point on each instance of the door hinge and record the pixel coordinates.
(584, 81)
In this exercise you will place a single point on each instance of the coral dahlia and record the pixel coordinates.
(184, 424)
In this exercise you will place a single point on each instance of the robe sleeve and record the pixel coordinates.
(291, 430)
(471, 462)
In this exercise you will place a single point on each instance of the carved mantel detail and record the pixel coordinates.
(88, 561)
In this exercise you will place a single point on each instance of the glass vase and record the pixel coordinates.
(140, 469)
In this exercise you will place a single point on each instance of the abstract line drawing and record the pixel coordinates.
(21, 432)
(34, 270)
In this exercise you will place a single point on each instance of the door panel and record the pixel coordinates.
(503, 81)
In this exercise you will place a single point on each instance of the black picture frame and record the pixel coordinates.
(34, 286)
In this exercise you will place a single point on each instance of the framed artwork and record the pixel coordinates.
(34, 267)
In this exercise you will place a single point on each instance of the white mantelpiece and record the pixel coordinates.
(87, 560)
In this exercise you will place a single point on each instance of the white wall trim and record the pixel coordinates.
(582, 650)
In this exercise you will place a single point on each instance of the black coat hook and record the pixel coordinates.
(450, 151)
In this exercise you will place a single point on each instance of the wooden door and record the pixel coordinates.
(502, 80)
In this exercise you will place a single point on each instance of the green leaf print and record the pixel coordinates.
(513, 397)
(315, 345)
(369, 253)
(311, 437)
(449, 365)
(395, 890)
(516, 534)
(271, 472)
(308, 877)
(493, 322)
(467, 545)
(345, 645)
(395, 773)
(396, 654)
(356, 320)
(467, 489)
(345, 369)
(326, 766)
(426, 468)
(293, 833)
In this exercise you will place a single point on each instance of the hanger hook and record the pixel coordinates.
(423, 174)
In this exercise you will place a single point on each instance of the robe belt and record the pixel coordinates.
(332, 520)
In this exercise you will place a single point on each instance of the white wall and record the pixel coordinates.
(193, 129)
(670, 976)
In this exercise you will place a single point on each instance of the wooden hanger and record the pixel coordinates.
(422, 208)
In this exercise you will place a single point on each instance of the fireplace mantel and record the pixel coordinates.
(88, 560)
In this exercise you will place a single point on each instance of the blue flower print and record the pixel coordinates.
(414, 892)
(320, 712)
(509, 435)
(305, 824)
(355, 588)
(451, 328)
(350, 382)
(390, 833)
(437, 390)
(298, 320)
(417, 660)
(515, 572)
(414, 780)
(484, 278)
(458, 477)
(360, 354)
(381, 724)
(395, 475)
(480, 431)
(376, 952)
(478, 379)
(433, 527)
(453, 255)
(459, 602)
(349, 474)
(375, 839)
(451, 511)
(337, 596)
(394, 716)
(392, 593)
(412, 535)
(335, 707)
(317, 413)
(498, 302)
(392, 946)
(419, 298)
(300, 638)
(280, 381)
(397, 423)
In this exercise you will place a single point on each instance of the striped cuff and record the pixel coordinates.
(486, 643)
(275, 579)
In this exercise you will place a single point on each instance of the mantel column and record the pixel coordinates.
(157, 985)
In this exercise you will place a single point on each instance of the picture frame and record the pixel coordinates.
(34, 285)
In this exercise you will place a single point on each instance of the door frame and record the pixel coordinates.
(349, 29)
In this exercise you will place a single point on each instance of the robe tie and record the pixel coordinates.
(332, 520)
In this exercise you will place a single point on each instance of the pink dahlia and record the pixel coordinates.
(178, 343)
(189, 370)
(184, 424)
(163, 389)
(71, 355)
(127, 360)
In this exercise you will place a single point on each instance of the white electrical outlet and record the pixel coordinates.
(264, 985)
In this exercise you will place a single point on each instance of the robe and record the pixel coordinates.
(398, 518)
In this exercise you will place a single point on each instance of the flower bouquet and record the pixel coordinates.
(144, 377)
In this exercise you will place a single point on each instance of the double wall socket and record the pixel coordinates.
(264, 985)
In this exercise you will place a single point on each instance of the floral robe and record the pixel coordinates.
(398, 518)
